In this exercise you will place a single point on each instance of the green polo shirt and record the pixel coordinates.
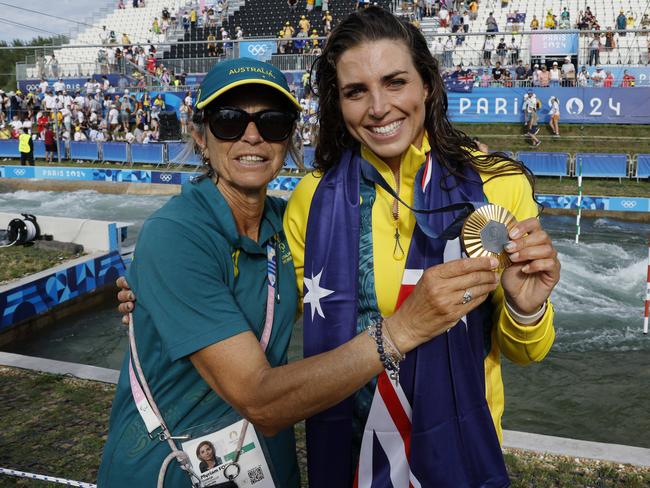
(197, 282)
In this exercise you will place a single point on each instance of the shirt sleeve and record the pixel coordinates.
(181, 281)
(522, 344)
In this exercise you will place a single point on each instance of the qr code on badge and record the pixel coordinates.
(256, 474)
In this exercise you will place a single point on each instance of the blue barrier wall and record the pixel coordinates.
(602, 165)
(545, 163)
(85, 151)
(643, 166)
(114, 151)
(9, 148)
(147, 153)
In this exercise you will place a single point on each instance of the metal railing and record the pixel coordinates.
(466, 48)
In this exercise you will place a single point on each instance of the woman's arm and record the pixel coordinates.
(275, 398)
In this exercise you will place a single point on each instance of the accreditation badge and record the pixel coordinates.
(485, 233)
(218, 459)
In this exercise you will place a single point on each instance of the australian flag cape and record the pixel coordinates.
(434, 428)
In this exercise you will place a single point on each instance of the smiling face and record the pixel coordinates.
(249, 163)
(382, 98)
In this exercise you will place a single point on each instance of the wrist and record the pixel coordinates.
(399, 334)
(523, 318)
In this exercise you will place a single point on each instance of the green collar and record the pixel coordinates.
(221, 214)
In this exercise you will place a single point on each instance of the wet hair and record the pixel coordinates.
(452, 147)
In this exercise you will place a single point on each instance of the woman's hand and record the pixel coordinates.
(535, 268)
(126, 298)
(444, 294)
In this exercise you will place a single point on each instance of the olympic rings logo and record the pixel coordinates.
(166, 177)
(628, 203)
(19, 172)
(257, 49)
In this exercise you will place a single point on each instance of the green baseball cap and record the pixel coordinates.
(237, 72)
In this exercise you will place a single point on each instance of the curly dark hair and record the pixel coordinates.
(452, 147)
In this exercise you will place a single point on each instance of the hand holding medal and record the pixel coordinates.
(524, 250)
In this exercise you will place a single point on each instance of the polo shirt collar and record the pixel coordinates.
(221, 215)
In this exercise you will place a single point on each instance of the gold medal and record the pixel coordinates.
(485, 233)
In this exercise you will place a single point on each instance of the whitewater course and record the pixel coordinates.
(593, 386)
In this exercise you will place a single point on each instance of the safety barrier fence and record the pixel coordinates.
(560, 164)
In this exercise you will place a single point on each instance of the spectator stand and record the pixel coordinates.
(546, 163)
(599, 165)
(642, 166)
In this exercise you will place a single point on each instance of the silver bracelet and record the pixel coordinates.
(525, 319)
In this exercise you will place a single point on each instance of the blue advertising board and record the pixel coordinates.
(577, 105)
(260, 49)
(618, 204)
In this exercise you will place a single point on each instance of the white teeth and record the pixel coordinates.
(251, 159)
(387, 129)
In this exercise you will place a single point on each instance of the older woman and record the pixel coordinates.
(216, 293)
(387, 148)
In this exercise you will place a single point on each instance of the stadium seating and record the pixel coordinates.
(546, 163)
(601, 165)
(642, 166)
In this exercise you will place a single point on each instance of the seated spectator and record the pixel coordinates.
(534, 24)
(631, 18)
(628, 80)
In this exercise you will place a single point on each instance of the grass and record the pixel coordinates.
(593, 186)
(57, 425)
(630, 139)
(19, 261)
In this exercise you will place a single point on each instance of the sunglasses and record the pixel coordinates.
(230, 123)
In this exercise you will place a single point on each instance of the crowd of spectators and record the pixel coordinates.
(525, 75)
(94, 113)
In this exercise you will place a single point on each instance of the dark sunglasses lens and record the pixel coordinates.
(227, 124)
(275, 126)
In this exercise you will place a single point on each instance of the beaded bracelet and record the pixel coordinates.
(390, 359)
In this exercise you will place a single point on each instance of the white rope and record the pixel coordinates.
(42, 477)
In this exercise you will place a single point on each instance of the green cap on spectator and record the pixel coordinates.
(237, 72)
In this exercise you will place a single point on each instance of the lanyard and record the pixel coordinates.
(145, 403)
(419, 206)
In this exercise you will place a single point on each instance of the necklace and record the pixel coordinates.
(398, 251)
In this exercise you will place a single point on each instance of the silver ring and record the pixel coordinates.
(467, 297)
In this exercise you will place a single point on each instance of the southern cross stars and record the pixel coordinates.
(314, 294)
